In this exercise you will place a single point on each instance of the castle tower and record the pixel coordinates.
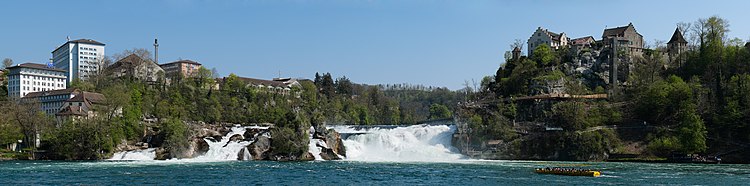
(516, 53)
(676, 46)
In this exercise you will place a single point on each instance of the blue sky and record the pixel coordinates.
(435, 43)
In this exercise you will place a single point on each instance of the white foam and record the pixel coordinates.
(144, 154)
(417, 143)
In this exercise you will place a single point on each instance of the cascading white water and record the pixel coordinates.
(144, 154)
(225, 149)
(418, 143)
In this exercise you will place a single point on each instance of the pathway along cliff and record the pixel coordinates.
(416, 143)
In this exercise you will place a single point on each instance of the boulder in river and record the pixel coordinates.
(260, 147)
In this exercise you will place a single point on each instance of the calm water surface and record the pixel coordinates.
(359, 173)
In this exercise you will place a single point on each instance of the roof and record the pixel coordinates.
(182, 61)
(128, 59)
(260, 82)
(86, 41)
(582, 40)
(51, 92)
(677, 37)
(554, 36)
(71, 111)
(516, 49)
(90, 97)
(616, 31)
(37, 66)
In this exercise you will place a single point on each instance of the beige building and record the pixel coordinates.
(136, 67)
(544, 36)
(581, 43)
(81, 106)
(181, 68)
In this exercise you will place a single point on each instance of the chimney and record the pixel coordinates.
(156, 51)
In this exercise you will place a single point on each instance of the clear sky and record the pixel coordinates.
(435, 43)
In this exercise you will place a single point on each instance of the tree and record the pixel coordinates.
(30, 119)
(327, 86)
(438, 111)
(176, 137)
(344, 86)
(543, 55)
(7, 62)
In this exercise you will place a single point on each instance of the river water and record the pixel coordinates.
(413, 155)
(463, 172)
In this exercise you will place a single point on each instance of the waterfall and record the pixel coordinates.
(417, 143)
(225, 149)
(144, 154)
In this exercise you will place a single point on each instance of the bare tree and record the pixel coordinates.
(659, 45)
(517, 43)
(7, 62)
(685, 29)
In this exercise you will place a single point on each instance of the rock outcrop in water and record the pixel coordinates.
(229, 142)
(332, 146)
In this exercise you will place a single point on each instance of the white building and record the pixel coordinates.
(544, 36)
(79, 57)
(31, 77)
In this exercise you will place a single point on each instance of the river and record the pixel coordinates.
(464, 172)
(415, 155)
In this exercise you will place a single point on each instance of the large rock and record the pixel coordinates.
(251, 133)
(327, 153)
(334, 142)
(162, 154)
(260, 147)
(200, 146)
(243, 155)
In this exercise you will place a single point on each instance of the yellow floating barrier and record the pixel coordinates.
(569, 172)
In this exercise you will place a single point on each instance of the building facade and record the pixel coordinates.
(136, 67)
(52, 101)
(81, 106)
(626, 36)
(578, 44)
(31, 77)
(544, 36)
(80, 58)
(181, 68)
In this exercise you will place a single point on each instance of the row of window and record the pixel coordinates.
(86, 48)
(16, 77)
(88, 53)
(34, 89)
(86, 57)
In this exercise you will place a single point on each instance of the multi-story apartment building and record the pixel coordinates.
(31, 77)
(181, 68)
(81, 58)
